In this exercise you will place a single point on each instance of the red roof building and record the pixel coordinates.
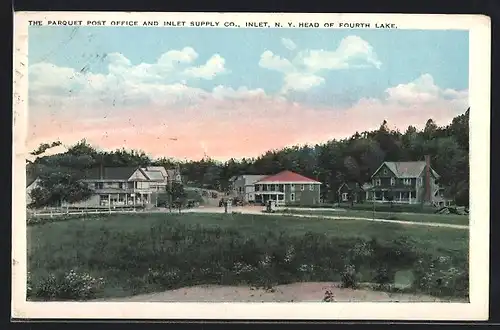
(287, 177)
(287, 187)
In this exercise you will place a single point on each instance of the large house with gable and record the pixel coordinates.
(406, 182)
(287, 187)
(116, 187)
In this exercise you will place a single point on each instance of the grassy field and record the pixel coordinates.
(379, 207)
(120, 255)
(422, 217)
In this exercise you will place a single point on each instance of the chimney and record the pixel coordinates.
(428, 178)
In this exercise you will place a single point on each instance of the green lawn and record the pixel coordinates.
(137, 253)
(414, 217)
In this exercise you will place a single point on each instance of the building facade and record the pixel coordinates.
(406, 182)
(118, 187)
(242, 186)
(287, 188)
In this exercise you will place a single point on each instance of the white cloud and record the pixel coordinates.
(221, 92)
(213, 67)
(422, 90)
(288, 43)
(274, 62)
(301, 81)
(303, 72)
(353, 52)
(164, 82)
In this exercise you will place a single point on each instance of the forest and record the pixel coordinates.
(352, 159)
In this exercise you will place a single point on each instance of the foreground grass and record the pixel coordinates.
(140, 253)
(422, 217)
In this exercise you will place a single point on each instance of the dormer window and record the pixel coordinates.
(385, 171)
(393, 181)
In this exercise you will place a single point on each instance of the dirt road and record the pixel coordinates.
(297, 292)
(258, 211)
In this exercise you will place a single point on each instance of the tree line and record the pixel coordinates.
(352, 159)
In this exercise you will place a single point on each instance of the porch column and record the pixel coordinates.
(126, 199)
(400, 196)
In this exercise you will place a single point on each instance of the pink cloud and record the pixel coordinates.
(225, 129)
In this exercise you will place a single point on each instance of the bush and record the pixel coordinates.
(441, 278)
(350, 277)
(170, 254)
(65, 286)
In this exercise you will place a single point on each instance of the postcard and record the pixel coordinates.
(250, 166)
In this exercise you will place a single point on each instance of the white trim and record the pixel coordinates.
(292, 197)
(378, 169)
(343, 184)
(134, 176)
(344, 197)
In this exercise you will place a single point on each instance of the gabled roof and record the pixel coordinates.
(249, 179)
(353, 186)
(160, 169)
(30, 180)
(406, 169)
(110, 173)
(287, 176)
(155, 173)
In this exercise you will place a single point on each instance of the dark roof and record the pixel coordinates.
(110, 173)
(407, 169)
(353, 186)
(31, 173)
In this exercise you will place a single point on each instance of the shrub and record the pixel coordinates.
(349, 277)
(441, 277)
(67, 286)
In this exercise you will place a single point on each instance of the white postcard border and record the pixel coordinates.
(479, 94)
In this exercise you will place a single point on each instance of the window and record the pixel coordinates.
(292, 197)
(272, 188)
(344, 197)
(393, 181)
(292, 187)
(419, 181)
(377, 182)
(281, 197)
(257, 187)
(407, 182)
(302, 187)
(282, 187)
(120, 185)
(311, 187)
(385, 171)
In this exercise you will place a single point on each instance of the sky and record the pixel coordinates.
(187, 93)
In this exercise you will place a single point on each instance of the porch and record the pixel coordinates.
(397, 196)
(263, 197)
(124, 199)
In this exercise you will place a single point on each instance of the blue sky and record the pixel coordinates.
(405, 54)
(291, 85)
